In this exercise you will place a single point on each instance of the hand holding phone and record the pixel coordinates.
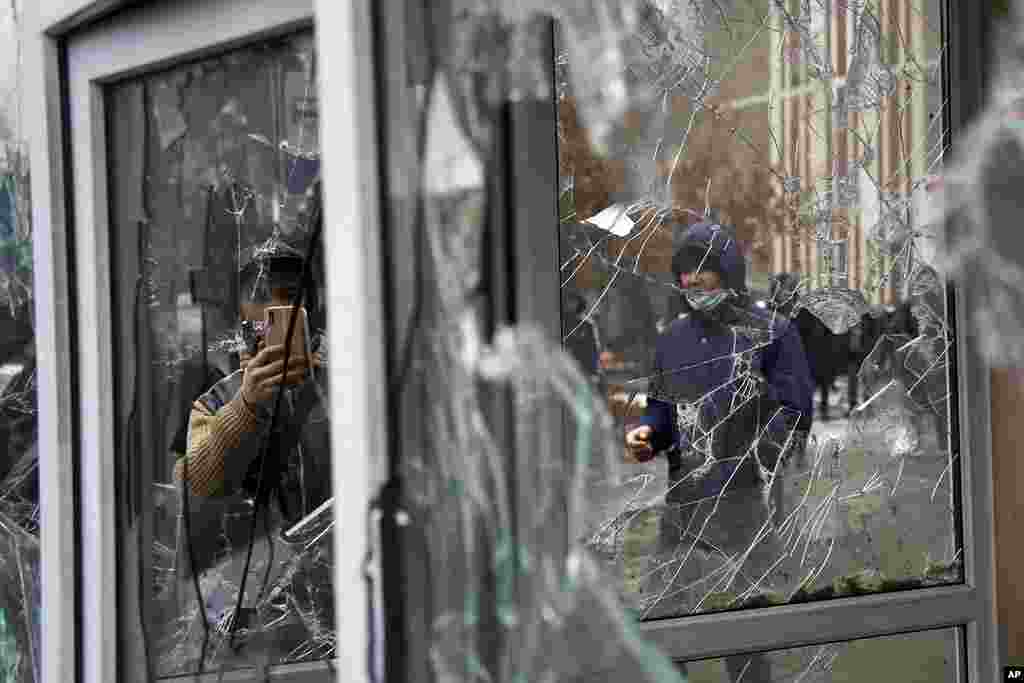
(266, 372)
(277, 321)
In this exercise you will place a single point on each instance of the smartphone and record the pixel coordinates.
(277, 319)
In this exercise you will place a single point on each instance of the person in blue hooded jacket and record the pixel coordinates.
(729, 385)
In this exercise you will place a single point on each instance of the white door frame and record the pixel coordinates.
(80, 46)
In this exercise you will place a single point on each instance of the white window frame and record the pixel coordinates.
(73, 47)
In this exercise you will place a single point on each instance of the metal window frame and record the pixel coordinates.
(970, 605)
(110, 39)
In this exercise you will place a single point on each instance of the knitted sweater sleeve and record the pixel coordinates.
(215, 446)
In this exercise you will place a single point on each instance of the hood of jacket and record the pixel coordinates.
(712, 247)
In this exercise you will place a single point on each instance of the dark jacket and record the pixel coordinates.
(722, 380)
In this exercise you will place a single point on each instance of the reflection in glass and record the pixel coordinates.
(19, 482)
(928, 656)
(749, 274)
(20, 651)
(225, 478)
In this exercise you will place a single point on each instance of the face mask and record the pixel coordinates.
(702, 300)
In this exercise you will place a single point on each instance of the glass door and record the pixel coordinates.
(206, 430)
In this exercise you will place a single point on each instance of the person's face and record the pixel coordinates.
(705, 279)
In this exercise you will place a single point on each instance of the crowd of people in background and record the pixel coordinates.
(613, 341)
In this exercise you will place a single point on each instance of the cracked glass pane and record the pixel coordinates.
(496, 583)
(742, 195)
(224, 489)
(750, 276)
(922, 656)
(20, 649)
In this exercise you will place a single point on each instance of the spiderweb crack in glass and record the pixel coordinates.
(886, 450)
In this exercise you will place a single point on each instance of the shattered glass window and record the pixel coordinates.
(750, 402)
(751, 279)
(923, 656)
(485, 575)
(224, 461)
(19, 467)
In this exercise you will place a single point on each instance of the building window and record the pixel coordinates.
(799, 433)
(765, 164)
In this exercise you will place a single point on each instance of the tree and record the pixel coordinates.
(747, 196)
